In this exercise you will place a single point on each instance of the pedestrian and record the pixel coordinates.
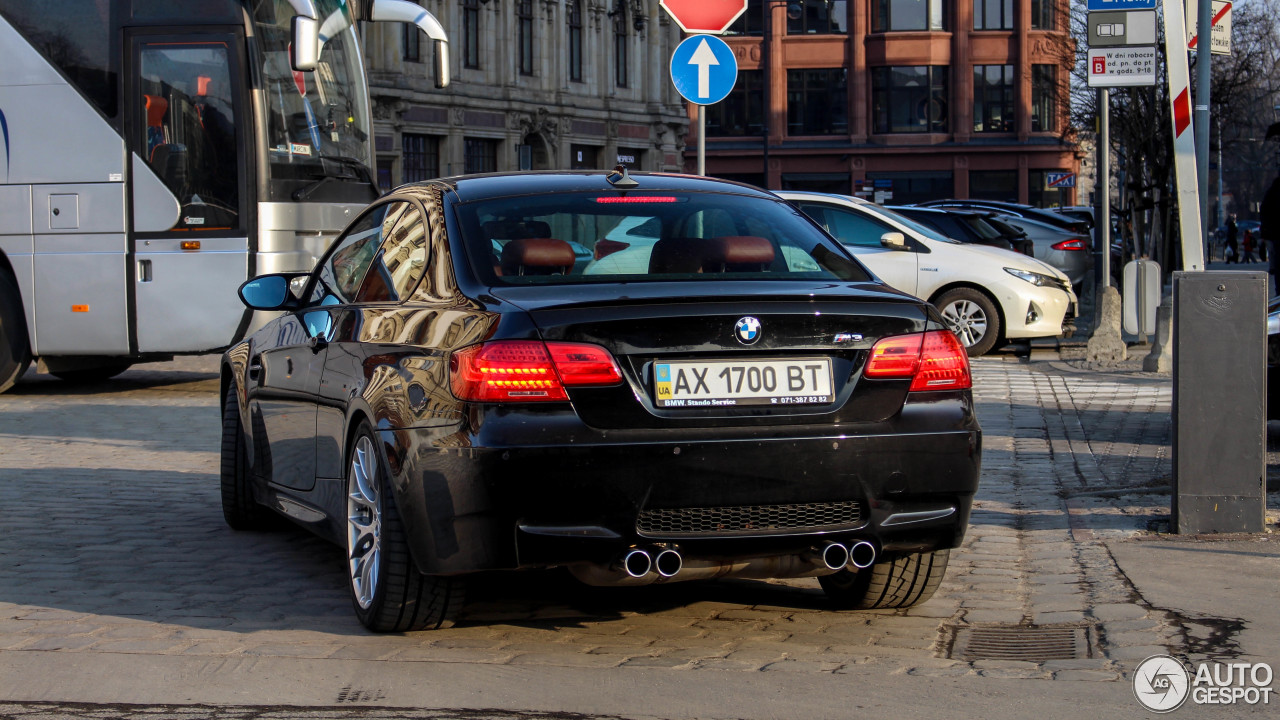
(1247, 254)
(1233, 247)
(1270, 230)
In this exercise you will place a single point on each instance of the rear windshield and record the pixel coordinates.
(573, 238)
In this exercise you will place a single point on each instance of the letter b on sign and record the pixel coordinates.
(1099, 66)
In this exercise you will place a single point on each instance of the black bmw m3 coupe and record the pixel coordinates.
(643, 379)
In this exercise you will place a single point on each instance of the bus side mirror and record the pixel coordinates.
(442, 64)
(305, 52)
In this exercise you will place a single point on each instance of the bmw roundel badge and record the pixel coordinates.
(747, 330)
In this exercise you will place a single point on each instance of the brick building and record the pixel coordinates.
(537, 84)
(928, 98)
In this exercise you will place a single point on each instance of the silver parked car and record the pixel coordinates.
(1065, 250)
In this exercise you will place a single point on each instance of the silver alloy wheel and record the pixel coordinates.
(967, 320)
(364, 522)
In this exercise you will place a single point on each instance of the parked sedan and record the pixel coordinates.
(1065, 250)
(438, 407)
(986, 295)
(1058, 220)
(968, 227)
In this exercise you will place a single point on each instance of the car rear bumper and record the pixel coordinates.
(586, 496)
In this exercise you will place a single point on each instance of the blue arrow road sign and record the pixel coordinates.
(1096, 5)
(704, 69)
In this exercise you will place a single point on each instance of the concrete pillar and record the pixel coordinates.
(961, 77)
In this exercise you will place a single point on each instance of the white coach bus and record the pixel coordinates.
(156, 153)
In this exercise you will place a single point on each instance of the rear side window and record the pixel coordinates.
(573, 238)
(848, 226)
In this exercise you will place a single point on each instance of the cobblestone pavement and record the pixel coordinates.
(59, 711)
(115, 544)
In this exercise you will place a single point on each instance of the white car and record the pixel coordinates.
(988, 295)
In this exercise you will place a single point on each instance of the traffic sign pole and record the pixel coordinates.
(702, 140)
(1204, 61)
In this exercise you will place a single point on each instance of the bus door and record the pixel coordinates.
(188, 137)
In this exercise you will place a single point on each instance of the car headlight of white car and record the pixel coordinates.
(1035, 278)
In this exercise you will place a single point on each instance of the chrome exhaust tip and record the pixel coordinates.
(668, 563)
(637, 563)
(862, 554)
(835, 556)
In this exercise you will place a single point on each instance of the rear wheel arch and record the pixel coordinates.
(15, 336)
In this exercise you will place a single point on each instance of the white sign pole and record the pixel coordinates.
(1184, 149)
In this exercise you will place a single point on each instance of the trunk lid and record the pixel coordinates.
(658, 330)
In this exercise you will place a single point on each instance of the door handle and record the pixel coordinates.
(255, 370)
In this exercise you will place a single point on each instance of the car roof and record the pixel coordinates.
(468, 188)
(824, 196)
(908, 209)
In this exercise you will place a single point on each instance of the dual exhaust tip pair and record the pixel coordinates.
(668, 562)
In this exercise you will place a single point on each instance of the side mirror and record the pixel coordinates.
(894, 241)
(270, 292)
(305, 53)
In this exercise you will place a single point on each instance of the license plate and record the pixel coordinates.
(728, 383)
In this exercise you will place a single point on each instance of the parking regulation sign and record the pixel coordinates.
(1122, 66)
(1059, 180)
(704, 69)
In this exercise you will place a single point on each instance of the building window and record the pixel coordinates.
(420, 158)
(574, 13)
(909, 99)
(993, 98)
(471, 33)
(742, 112)
(993, 185)
(817, 102)
(1044, 98)
(1040, 194)
(992, 14)
(1044, 14)
(480, 155)
(890, 15)
(410, 42)
(584, 157)
(621, 43)
(524, 33)
(819, 17)
(385, 183)
(914, 187)
(750, 22)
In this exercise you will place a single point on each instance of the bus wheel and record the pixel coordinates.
(15, 354)
(90, 375)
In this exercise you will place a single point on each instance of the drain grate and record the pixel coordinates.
(1021, 642)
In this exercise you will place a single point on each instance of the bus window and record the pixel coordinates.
(74, 35)
(317, 123)
(189, 133)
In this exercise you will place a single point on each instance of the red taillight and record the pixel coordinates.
(944, 364)
(528, 370)
(934, 360)
(1073, 244)
(895, 357)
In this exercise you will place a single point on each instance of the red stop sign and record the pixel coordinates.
(704, 16)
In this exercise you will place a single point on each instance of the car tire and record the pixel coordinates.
(92, 375)
(239, 508)
(387, 590)
(973, 317)
(15, 353)
(902, 582)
